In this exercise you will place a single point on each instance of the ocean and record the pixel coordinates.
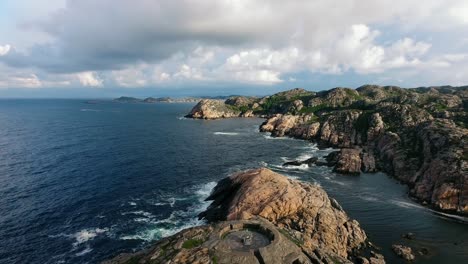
(81, 182)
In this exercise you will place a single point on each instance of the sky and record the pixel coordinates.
(108, 48)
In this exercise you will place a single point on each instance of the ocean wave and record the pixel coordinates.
(457, 218)
(142, 213)
(177, 221)
(89, 110)
(83, 252)
(205, 190)
(277, 138)
(226, 133)
(85, 235)
(405, 204)
(369, 198)
(338, 182)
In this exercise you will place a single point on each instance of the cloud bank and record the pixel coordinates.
(147, 43)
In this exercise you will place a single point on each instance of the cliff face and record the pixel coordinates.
(213, 109)
(302, 209)
(290, 221)
(417, 135)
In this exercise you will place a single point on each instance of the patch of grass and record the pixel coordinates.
(314, 109)
(440, 107)
(214, 259)
(191, 243)
(353, 95)
(288, 236)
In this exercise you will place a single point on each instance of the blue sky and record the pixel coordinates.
(107, 48)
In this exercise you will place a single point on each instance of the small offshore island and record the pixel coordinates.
(418, 136)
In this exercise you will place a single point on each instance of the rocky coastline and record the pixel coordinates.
(418, 135)
(293, 221)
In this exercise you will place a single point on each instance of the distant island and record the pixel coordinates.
(127, 99)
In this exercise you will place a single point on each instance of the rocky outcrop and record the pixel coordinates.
(213, 109)
(397, 133)
(259, 216)
(221, 243)
(309, 162)
(299, 126)
(240, 101)
(349, 161)
(404, 252)
(303, 210)
(416, 135)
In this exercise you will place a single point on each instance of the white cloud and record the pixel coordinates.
(21, 81)
(4, 49)
(144, 43)
(89, 79)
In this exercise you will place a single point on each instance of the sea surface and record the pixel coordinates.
(81, 182)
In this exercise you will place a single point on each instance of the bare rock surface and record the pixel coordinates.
(302, 209)
(212, 109)
(286, 221)
(404, 252)
(416, 135)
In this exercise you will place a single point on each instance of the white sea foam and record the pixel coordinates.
(451, 216)
(205, 190)
(299, 167)
(132, 203)
(142, 213)
(178, 220)
(88, 234)
(369, 198)
(84, 251)
(226, 133)
(89, 110)
(338, 182)
(277, 138)
(405, 204)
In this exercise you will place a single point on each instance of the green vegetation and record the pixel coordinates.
(440, 107)
(191, 243)
(314, 109)
(352, 94)
(242, 109)
(288, 236)
(214, 259)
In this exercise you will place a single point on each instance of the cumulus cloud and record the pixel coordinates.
(89, 79)
(4, 49)
(144, 42)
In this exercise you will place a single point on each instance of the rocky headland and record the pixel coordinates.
(259, 216)
(416, 135)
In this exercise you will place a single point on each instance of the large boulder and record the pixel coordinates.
(302, 209)
(403, 252)
(349, 161)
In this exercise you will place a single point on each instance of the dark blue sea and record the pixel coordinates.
(81, 182)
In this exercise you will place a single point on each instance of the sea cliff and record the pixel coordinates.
(416, 135)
